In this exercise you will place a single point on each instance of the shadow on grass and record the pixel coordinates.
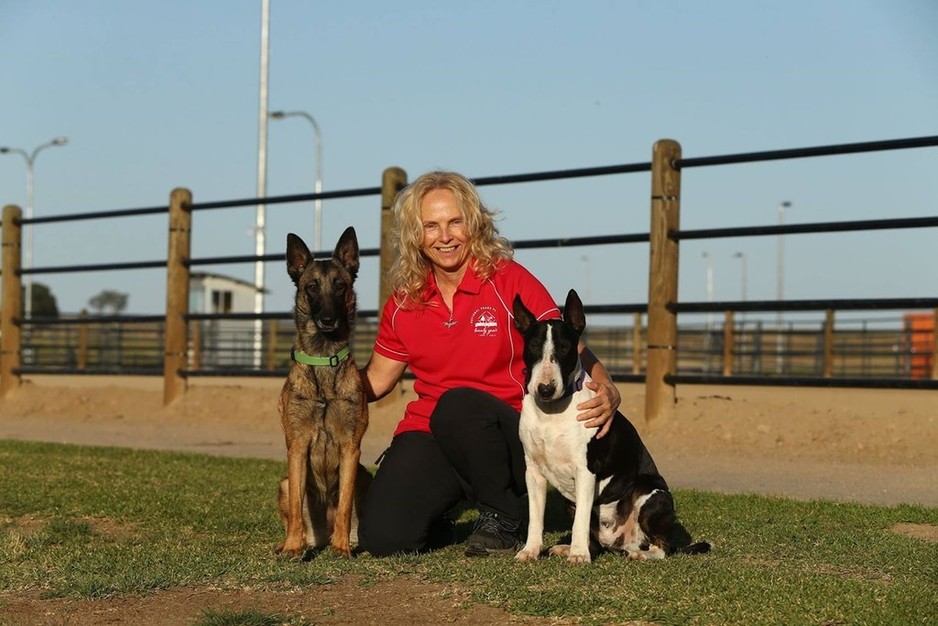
(558, 518)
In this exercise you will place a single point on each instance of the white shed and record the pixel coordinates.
(225, 343)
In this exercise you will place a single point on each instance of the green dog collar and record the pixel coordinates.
(333, 361)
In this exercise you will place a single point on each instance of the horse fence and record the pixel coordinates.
(179, 344)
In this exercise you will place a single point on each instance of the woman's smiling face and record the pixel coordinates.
(445, 237)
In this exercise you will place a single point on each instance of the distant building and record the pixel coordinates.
(224, 343)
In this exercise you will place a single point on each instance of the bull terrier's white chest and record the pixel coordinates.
(556, 443)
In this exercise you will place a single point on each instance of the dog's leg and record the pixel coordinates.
(654, 514)
(537, 502)
(283, 502)
(295, 542)
(585, 496)
(348, 470)
(362, 482)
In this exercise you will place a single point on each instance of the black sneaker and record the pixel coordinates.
(493, 534)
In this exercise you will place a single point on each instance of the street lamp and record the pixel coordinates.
(780, 286)
(279, 115)
(30, 197)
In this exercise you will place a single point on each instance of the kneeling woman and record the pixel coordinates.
(449, 319)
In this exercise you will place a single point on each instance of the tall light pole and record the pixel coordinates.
(780, 286)
(743, 281)
(30, 201)
(743, 284)
(709, 260)
(279, 115)
(260, 220)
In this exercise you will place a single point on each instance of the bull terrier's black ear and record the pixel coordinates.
(346, 251)
(523, 317)
(298, 257)
(573, 312)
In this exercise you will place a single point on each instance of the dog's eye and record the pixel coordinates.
(339, 284)
(312, 286)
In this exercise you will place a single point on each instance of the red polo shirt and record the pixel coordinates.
(478, 346)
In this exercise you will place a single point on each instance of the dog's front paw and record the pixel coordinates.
(578, 557)
(527, 555)
(342, 548)
(290, 550)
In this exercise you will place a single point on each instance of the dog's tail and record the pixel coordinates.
(699, 547)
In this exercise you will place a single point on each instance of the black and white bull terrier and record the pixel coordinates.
(621, 501)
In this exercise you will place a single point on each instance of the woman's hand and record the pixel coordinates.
(598, 411)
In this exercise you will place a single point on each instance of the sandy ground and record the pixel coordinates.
(850, 445)
(873, 446)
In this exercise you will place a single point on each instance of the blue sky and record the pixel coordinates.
(155, 95)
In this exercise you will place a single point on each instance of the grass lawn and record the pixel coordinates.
(91, 522)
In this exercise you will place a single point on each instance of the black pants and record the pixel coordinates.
(473, 454)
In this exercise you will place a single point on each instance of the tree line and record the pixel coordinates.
(44, 303)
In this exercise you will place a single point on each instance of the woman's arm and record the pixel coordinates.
(380, 375)
(598, 412)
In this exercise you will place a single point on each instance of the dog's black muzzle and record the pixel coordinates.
(546, 392)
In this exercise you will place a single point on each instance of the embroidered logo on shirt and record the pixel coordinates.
(483, 321)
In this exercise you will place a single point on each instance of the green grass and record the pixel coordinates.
(86, 522)
(239, 618)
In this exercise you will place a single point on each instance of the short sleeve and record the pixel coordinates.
(535, 295)
(388, 343)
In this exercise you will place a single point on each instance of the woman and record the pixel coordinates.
(449, 319)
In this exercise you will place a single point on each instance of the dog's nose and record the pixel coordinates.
(546, 391)
(326, 323)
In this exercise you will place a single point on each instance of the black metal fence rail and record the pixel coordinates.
(800, 229)
(803, 381)
(928, 141)
(675, 235)
(835, 304)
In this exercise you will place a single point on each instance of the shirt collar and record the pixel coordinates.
(470, 283)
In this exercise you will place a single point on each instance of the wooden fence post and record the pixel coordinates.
(661, 356)
(636, 343)
(175, 351)
(10, 338)
(729, 344)
(392, 181)
(828, 360)
(83, 340)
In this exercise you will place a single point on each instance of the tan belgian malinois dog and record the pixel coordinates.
(322, 406)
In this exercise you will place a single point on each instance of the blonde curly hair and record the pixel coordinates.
(411, 269)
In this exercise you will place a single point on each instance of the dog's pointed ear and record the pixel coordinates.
(298, 257)
(346, 251)
(523, 317)
(573, 312)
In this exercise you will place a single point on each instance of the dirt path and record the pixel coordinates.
(850, 445)
(873, 446)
